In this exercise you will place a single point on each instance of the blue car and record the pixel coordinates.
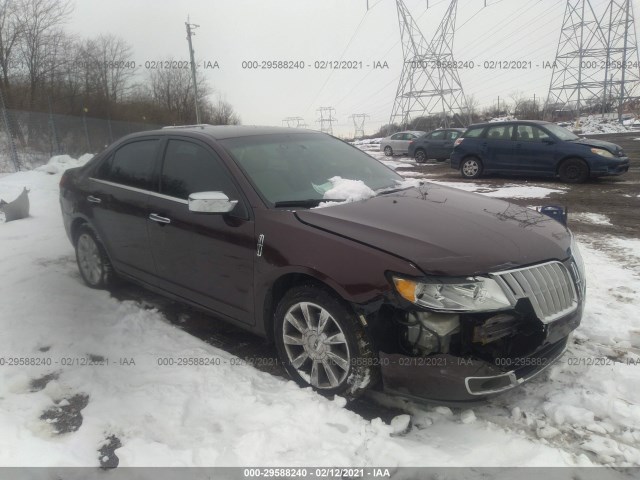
(535, 148)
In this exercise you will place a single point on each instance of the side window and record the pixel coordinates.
(540, 135)
(501, 132)
(473, 132)
(453, 134)
(131, 165)
(525, 133)
(189, 168)
(438, 135)
(397, 136)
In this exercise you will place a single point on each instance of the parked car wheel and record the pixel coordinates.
(388, 151)
(471, 167)
(93, 262)
(420, 155)
(322, 344)
(573, 170)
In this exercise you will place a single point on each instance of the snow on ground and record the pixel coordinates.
(579, 413)
(593, 218)
(502, 191)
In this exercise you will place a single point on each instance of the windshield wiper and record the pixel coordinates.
(308, 203)
(394, 190)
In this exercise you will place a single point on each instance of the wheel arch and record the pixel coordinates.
(571, 157)
(287, 280)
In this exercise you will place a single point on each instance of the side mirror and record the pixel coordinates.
(211, 202)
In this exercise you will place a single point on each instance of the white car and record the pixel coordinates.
(398, 143)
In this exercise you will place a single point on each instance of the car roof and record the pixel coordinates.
(503, 122)
(221, 132)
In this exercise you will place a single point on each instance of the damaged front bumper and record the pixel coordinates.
(467, 378)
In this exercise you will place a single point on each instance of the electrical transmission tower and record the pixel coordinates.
(429, 85)
(358, 123)
(294, 122)
(326, 119)
(597, 65)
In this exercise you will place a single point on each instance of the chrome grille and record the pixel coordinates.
(548, 286)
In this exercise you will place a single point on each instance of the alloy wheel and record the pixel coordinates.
(316, 345)
(89, 259)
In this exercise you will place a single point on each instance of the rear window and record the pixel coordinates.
(131, 165)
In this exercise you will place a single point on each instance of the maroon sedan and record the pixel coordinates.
(425, 291)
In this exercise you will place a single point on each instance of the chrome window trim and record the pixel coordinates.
(140, 190)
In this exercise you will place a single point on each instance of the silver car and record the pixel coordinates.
(398, 143)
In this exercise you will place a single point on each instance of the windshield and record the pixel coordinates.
(561, 132)
(296, 167)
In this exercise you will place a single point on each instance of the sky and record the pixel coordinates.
(234, 32)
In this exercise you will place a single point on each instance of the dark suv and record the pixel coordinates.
(535, 148)
(437, 144)
(426, 290)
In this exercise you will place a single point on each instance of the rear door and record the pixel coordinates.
(498, 148)
(437, 140)
(118, 204)
(206, 258)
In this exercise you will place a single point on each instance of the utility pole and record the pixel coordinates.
(358, 123)
(191, 33)
(326, 119)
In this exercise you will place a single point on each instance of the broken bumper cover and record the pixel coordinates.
(450, 378)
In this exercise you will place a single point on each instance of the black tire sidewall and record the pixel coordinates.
(574, 162)
(388, 151)
(424, 159)
(353, 332)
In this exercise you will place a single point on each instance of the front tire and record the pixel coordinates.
(573, 170)
(420, 156)
(322, 343)
(388, 151)
(93, 262)
(471, 167)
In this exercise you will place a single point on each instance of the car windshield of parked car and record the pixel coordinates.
(298, 166)
(561, 132)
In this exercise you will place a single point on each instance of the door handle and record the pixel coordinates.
(157, 218)
(93, 199)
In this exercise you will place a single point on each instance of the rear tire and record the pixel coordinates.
(421, 156)
(471, 167)
(322, 344)
(388, 151)
(93, 261)
(573, 170)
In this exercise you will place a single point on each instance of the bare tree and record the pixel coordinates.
(107, 61)
(40, 22)
(10, 32)
(172, 89)
(221, 113)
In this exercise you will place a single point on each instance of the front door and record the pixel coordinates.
(206, 258)
(535, 151)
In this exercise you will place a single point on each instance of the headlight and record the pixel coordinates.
(602, 152)
(474, 294)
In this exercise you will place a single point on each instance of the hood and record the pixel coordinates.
(591, 142)
(447, 231)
